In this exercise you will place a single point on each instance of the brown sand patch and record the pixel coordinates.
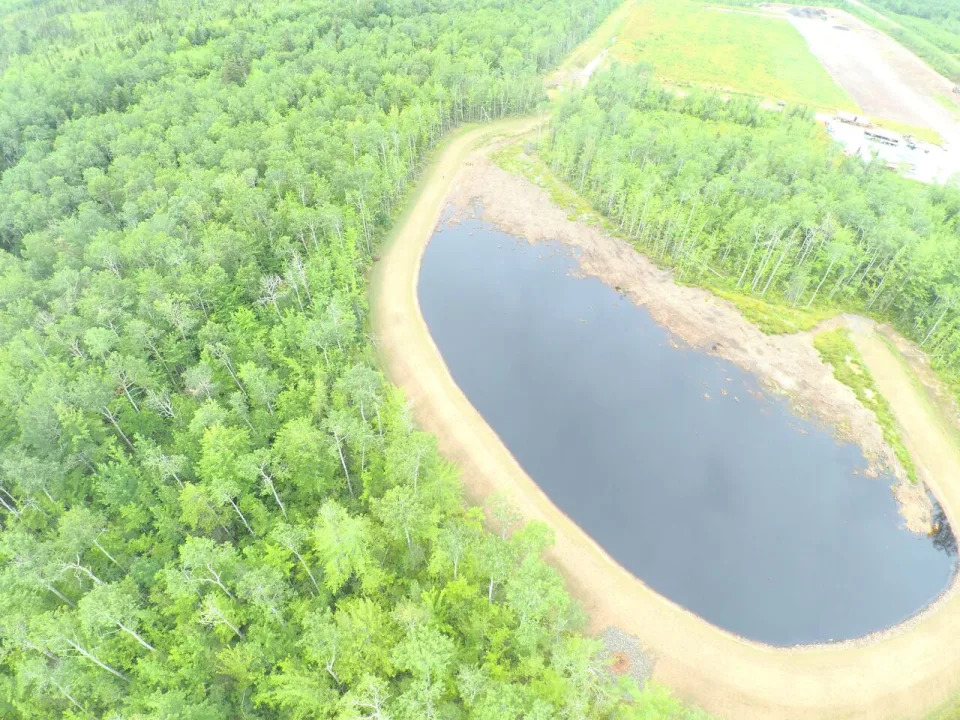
(621, 664)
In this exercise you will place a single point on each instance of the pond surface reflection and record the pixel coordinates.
(691, 476)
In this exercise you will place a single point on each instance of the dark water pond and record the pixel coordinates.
(727, 503)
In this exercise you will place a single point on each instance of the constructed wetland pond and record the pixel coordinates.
(689, 474)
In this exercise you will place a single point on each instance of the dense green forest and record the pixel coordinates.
(212, 504)
(763, 203)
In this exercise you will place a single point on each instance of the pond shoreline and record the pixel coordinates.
(896, 673)
(785, 364)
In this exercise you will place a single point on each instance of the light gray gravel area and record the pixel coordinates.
(623, 646)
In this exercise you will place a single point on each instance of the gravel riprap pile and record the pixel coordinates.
(627, 655)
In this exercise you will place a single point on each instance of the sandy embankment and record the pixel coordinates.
(898, 674)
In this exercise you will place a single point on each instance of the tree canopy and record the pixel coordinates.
(762, 202)
(212, 503)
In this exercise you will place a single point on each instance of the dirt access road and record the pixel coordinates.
(884, 78)
(900, 674)
(887, 81)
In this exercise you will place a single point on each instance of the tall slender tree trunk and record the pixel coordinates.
(111, 558)
(95, 660)
(343, 461)
(51, 588)
(108, 414)
(268, 481)
(242, 518)
(307, 569)
(135, 636)
(934, 327)
(822, 280)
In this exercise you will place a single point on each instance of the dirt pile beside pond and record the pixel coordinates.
(786, 364)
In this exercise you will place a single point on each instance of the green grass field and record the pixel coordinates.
(837, 349)
(921, 133)
(773, 318)
(689, 43)
(950, 104)
(949, 711)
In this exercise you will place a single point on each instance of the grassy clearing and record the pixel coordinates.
(688, 42)
(940, 407)
(949, 711)
(949, 103)
(837, 349)
(771, 317)
(920, 133)
(774, 318)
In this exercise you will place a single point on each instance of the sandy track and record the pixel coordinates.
(901, 674)
(926, 439)
(884, 78)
